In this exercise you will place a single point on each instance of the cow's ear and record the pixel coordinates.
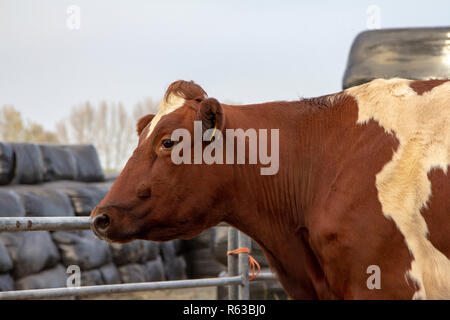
(143, 122)
(211, 114)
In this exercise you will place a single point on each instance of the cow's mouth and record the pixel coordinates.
(111, 225)
(153, 233)
(160, 233)
(114, 238)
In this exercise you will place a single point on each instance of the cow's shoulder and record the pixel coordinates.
(418, 114)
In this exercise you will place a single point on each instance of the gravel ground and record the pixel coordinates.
(208, 293)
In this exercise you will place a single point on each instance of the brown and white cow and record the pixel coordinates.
(362, 181)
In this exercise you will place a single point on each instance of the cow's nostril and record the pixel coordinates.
(143, 191)
(101, 222)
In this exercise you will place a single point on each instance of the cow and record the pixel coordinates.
(358, 209)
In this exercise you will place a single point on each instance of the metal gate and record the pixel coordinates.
(237, 279)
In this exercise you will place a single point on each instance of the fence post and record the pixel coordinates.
(232, 262)
(244, 289)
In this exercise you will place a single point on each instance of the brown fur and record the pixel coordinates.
(420, 86)
(188, 90)
(143, 122)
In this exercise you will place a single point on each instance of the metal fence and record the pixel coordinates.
(237, 279)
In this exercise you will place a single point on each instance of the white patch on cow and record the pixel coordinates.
(165, 107)
(422, 125)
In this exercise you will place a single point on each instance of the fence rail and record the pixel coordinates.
(14, 224)
(237, 279)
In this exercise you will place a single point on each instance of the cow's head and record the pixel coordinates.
(154, 198)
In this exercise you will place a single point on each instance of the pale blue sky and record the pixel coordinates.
(246, 51)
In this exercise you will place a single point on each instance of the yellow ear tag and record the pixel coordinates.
(214, 132)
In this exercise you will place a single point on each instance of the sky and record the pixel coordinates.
(241, 51)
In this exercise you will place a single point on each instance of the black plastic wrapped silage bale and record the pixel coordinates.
(42, 202)
(59, 163)
(6, 163)
(29, 165)
(88, 163)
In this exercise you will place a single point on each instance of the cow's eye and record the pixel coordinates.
(167, 143)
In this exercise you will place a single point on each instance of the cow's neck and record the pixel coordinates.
(272, 209)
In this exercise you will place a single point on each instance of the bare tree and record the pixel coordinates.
(62, 132)
(13, 128)
(103, 142)
(143, 108)
(82, 123)
(11, 124)
(108, 126)
(36, 133)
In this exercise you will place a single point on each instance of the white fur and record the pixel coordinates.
(165, 107)
(422, 125)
